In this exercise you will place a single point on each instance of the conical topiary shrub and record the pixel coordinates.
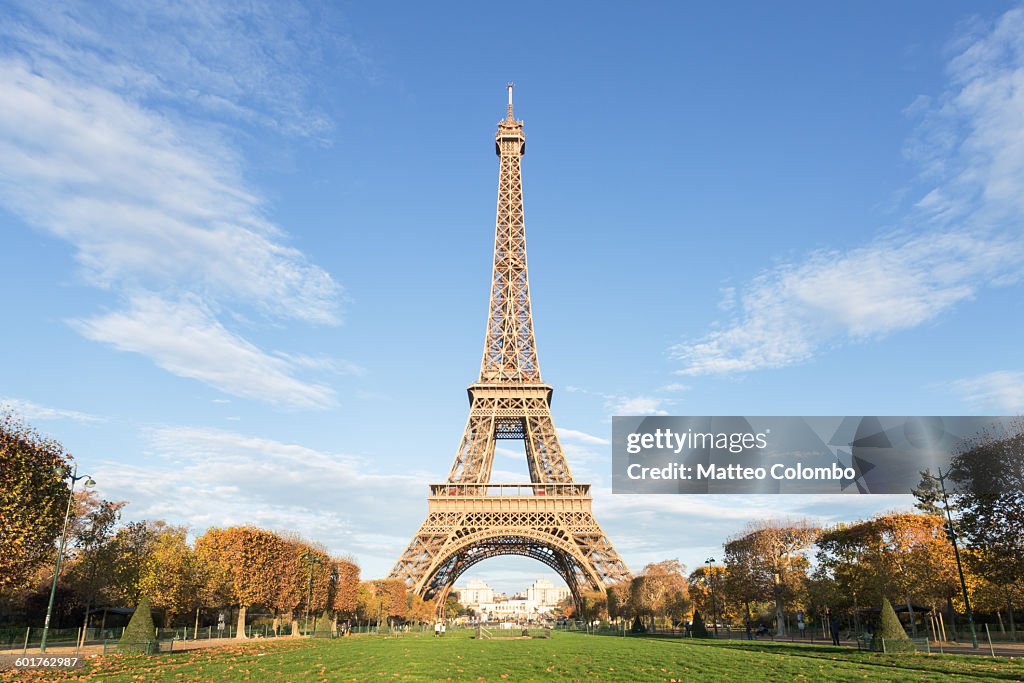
(323, 624)
(638, 626)
(698, 629)
(890, 636)
(140, 630)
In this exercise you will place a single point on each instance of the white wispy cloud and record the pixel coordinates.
(963, 236)
(582, 437)
(118, 134)
(33, 411)
(207, 477)
(622, 404)
(1001, 391)
(254, 63)
(637, 405)
(183, 337)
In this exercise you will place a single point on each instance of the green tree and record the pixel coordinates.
(988, 471)
(929, 495)
(33, 498)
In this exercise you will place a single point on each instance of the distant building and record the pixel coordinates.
(545, 593)
(528, 605)
(516, 609)
(474, 593)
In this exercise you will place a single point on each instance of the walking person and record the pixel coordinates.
(833, 625)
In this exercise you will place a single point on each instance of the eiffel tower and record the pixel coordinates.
(548, 518)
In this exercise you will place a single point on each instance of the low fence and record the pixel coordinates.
(30, 638)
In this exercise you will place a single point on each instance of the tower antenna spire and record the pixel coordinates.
(510, 85)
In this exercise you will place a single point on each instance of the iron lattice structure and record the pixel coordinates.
(470, 519)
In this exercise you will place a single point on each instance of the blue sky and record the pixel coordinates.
(246, 252)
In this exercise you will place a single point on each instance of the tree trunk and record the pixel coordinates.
(1009, 609)
(195, 632)
(913, 617)
(952, 616)
(241, 622)
(295, 625)
(779, 614)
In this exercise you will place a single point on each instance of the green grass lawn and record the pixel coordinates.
(569, 656)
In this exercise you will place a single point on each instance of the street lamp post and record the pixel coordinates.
(714, 603)
(313, 561)
(956, 552)
(60, 552)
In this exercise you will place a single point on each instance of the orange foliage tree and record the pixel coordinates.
(390, 597)
(344, 596)
(771, 556)
(902, 556)
(660, 591)
(245, 563)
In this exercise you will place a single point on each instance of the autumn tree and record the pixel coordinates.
(452, 607)
(593, 605)
(245, 562)
(988, 471)
(660, 590)
(619, 601)
(92, 531)
(418, 610)
(33, 498)
(366, 602)
(901, 555)
(390, 596)
(772, 556)
(345, 587)
(706, 588)
(129, 555)
(304, 579)
(174, 576)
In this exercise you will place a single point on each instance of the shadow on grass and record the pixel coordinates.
(1004, 668)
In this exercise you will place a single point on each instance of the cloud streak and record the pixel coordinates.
(33, 411)
(1001, 391)
(115, 136)
(183, 338)
(208, 477)
(965, 233)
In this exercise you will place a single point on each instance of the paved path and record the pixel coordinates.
(57, 649)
